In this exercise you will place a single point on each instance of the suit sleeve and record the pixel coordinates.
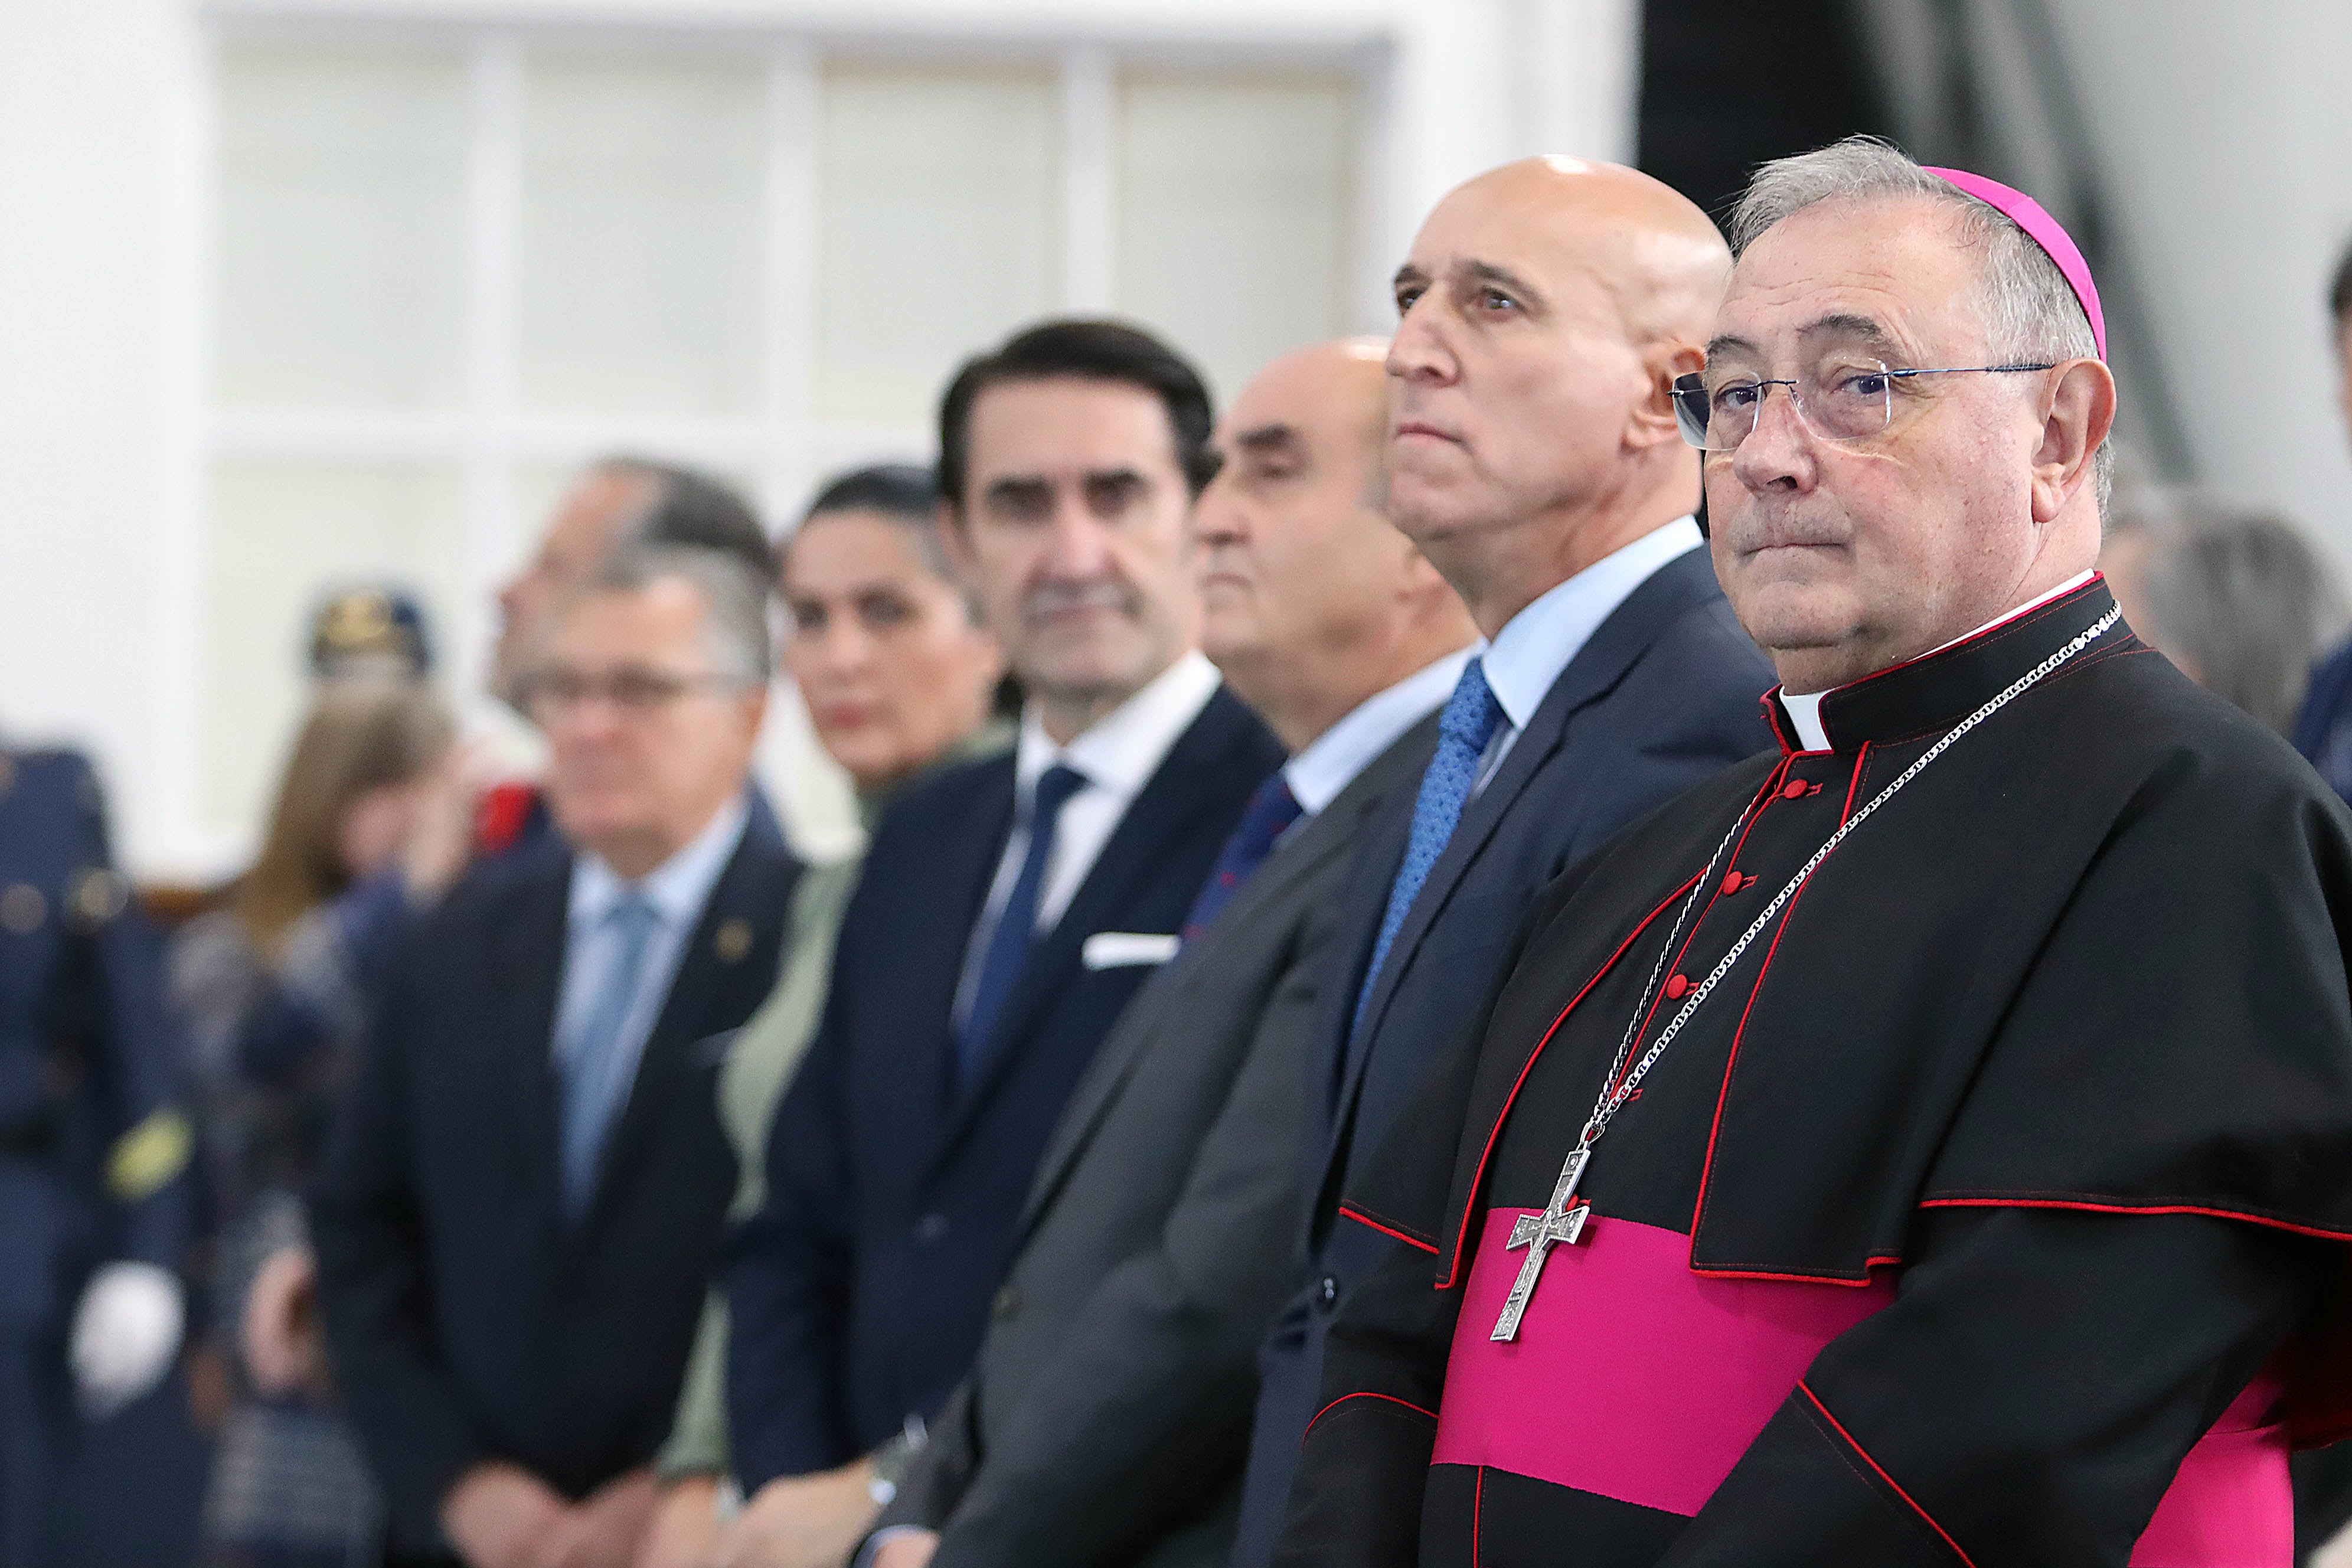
(787, 1275)
(2025, 1401)
(1146, 1410)
(368, 1231)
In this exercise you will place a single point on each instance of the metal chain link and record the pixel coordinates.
(1613, 1093)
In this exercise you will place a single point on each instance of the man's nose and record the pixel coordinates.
(1779, 453)
(1418, 351)
(1220, 518)
(1079, 546)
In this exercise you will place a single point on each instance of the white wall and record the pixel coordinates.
(102, 180)
(2224, 138)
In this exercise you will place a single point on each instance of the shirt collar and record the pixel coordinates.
(1127, 745)
(677, 887)
(1330, 763)
(1528, 655)
(1804, 709)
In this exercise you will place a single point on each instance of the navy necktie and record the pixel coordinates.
(1271, 810)
(594, 1072)
(1464, 730)
(1016, 923)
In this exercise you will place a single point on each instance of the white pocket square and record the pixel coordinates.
(1119, 949)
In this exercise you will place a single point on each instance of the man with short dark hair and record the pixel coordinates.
(1007, 912)
(1107, 1414)
(520, 1206)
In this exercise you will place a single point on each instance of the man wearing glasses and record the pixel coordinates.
(517, 1219)
(1929, 1143)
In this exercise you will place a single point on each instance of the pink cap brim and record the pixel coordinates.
(2028, 215)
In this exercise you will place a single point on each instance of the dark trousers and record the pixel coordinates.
(32, 1419)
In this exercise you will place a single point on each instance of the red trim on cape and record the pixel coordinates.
(1364, 1219)
(1806, 1389)
(2088, 1207)
(1362, 1393)
(1493, 1133)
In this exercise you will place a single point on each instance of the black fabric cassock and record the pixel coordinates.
(1979, 1199)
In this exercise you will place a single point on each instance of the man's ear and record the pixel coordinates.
(2076, 416)
(1652, 420)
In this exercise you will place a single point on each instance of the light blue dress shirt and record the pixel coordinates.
(677, 889)
(1528, 654)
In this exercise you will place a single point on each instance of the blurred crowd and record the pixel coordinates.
(561, 1170)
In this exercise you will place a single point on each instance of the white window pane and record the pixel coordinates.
(642, 219)
(341, 226)
(938, 227)
(284, 532)
(1235, 217)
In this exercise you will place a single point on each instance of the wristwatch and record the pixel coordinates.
(893, 1460)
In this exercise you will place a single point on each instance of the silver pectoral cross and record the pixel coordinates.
(1536, 1233)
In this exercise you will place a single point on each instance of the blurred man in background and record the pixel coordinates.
(1545, 310)
(517, 1216)
(93, 1148)
(2323, 728)
(1107, 1414)
(1007, 913)
(617, 501)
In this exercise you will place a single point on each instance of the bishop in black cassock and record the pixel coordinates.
(1976, 1167)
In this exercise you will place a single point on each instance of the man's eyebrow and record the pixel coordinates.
(1499, 276)
(1012, 487)
(1124, 475)
(1409, 273)
(1869, 330)
(1727, 344)
(1267, 439)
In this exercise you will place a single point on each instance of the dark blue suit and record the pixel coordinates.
(93, 1148)
(857, 1295)
(466, 1321)
(1662, 696)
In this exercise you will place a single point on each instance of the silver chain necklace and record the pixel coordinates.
(1563, 1220)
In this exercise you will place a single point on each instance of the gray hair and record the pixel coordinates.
(2238, 595)
(735, 600)
(2029, 311)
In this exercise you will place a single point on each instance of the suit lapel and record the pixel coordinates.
(1330, 834)
(1621, 639)
(532, 949)
(1167, 804)
(718, 977)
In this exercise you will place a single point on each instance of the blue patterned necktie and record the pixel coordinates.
(595, 1077)
(1464, 730)
(1271, 810)
(1016, 923)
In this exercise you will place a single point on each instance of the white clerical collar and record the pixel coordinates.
(1528, 655)
(677, 887)
(1330, 761)
(1805, 712)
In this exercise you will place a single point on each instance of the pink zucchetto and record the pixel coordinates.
(2028, 215)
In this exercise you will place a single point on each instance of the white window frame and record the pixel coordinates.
(784, 445)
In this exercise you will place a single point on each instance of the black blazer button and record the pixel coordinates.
(932, 1227)
(1008, 1304)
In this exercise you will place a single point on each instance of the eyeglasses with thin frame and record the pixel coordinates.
(1839, 400)
(634, 691)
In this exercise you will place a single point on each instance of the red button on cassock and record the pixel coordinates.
(1794, 788)
(1677, 986)
(1733, 882)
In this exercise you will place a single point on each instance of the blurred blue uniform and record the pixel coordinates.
(93, 1148)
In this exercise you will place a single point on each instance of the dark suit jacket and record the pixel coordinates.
(465, 1321)
(1665, 694)
(857, 1295)
(1108, 1412)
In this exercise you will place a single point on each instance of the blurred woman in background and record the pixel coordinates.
(370, 819)
(899, 680)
